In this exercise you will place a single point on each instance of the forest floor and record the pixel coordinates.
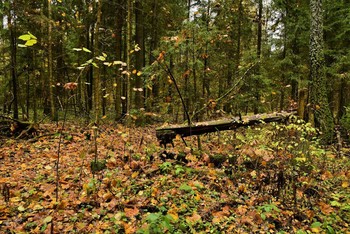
(269, 179)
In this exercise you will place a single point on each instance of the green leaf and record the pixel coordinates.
(101, 58)
(117, 62)
(43, 228)
(77, 49)
(21, 208)
(86, 50)
(336, 204)
(153, 217)
(95, 65)
(31, 42)
(21, 45)
(25, 37)
(330, 230)
(48, 219)
(316, 225)
(185, 187)
(32, 36)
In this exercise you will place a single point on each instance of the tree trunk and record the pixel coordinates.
(128, 57)
(258, 55)
(97, 78)
(258, 51)
(154, 92)
(206, 81)
(118, 79)
(139, 55)
(52, 83)
(12, 27)
(88, 93)
(320, 114)
(187, 65)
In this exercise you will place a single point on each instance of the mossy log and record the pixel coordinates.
(165, 135)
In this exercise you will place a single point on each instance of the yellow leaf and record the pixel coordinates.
(134, 71)
(197, 197)
(38, 207)
(173, 214)
(345, 184)
(139, 73)
(48, 219)
(15, 199)
(316, 229)
(21, 208)
(135, 174)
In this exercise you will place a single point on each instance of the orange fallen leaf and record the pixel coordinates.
(194, 218)
(325, 208)
(131, 212)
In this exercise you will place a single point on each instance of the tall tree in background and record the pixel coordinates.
(13, 46)
(52, 83)
(97, 77)
(258, 55)
(139, 54)
(118, 35)
(337, 54)
(208, 46)
(128, 56)
(320, 114)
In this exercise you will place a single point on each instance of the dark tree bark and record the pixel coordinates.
(166, 134)
(97, 77)
(140, 55)
(319, 114)
(89, 75)
(52, 83)
(119, 52)
(206, 80)
(12, 27)
(258, 55)
(154, 41)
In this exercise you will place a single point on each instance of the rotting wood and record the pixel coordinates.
(167, 134)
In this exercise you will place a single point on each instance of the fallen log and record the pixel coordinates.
(165, 135)
(11, 127)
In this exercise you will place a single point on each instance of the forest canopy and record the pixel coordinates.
(122, 55)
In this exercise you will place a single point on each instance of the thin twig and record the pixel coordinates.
(228, 91)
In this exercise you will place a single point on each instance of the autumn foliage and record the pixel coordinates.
(265, 179)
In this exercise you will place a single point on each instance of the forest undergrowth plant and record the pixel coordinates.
(157, 223)
(297, 151)
(282, 158)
